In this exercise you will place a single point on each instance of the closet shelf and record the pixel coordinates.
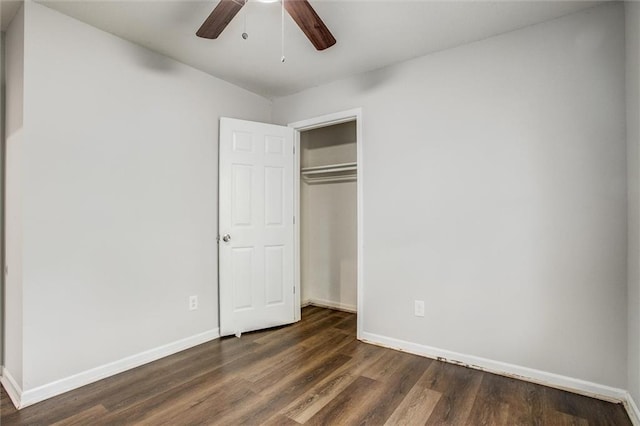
(342, 172)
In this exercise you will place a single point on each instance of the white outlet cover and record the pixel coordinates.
(418, 309)
(193, 303)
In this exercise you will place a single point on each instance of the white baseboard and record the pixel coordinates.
(329, 304)
(570, 384)
(58, 387)
(11, 386)
(632, 410)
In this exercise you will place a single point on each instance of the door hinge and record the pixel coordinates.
(294, 150)
(294, 290)
(294, 220)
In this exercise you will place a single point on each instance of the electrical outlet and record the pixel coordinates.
(418, 308)
(193, 303)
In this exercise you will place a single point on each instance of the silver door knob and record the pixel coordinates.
(226, 238)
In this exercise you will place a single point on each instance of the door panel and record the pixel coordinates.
(274, 274)
(241, 278)
(242, 181)
(256, 211)
(274, 196)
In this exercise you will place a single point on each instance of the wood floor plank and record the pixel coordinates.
(134, 385)
(372, 407)
(278, 397)
(525, 401)
(415, 408)
(6, 406)
(564, 419)
(396, 388)
(579, 407)
(201, 405)
(299, 333)
(308, 404)
(265, 365)
(175, 399)
(349, 323)
(210, 377)
(280, 420)
(459, 389)
(616, 413)
(310, 310)
(491, 406)
(351, 405)
(305, 407)
(436, 377)
(206, 362)
(273, 377)
(311, 372)
(389, 364)
(83, 417)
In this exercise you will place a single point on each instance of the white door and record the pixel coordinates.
(256, 250)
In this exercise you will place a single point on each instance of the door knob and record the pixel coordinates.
(226, 238)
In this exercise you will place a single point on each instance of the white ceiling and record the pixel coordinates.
(370, 34)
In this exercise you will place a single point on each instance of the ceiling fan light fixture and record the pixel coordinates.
(267, 1)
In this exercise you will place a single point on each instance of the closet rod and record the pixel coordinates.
(312, 180)
(330, 168)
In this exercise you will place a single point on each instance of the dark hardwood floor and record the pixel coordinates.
(313, 372)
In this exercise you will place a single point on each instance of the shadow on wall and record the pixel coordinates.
(182, 12)
(152, 61)
(374, 79)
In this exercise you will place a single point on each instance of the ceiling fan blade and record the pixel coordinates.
(310, 23)
(220, 18)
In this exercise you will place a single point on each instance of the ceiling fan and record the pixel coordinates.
(300, 10)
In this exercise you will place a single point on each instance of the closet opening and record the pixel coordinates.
(328, 217)
(329, 209)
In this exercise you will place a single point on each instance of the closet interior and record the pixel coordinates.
(328, 210)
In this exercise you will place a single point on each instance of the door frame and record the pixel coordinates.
(315, 123)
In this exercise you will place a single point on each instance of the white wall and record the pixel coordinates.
(119, 196)
(632, 21)
(329, 271)
(328, 220)
(14, 74)
(494, 190)
(2, 139)
(13, 315)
